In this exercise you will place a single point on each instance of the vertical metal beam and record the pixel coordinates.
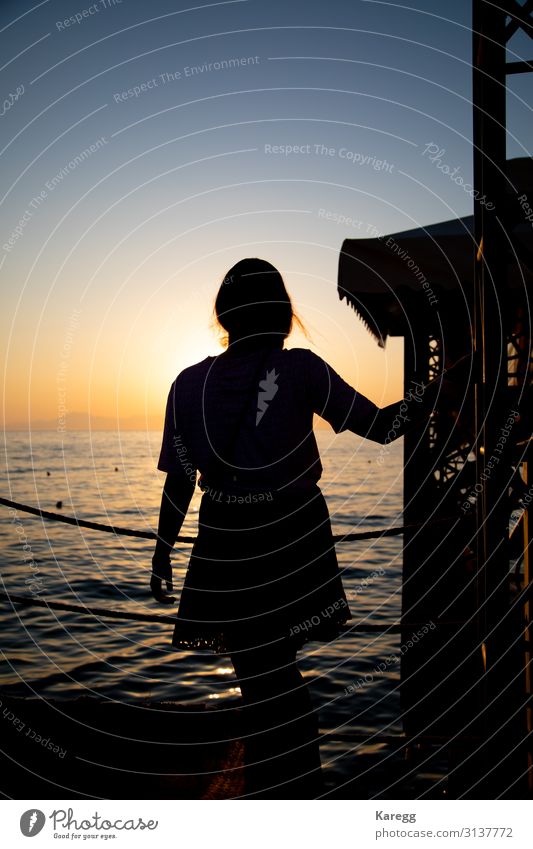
(492, 404)
(528, 629)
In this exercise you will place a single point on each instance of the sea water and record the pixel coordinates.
(112, 478)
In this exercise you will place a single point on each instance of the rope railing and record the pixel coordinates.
(161, 618)
(32, 601)
(131, 532)
(83, 523)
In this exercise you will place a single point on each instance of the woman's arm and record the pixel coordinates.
(177, 494)
(346, 409)
(386, 424)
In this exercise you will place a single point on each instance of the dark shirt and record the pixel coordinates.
(248, 420)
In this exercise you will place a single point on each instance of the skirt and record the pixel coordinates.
(262, 569)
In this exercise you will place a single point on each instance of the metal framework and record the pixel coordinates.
(472, 681)
(467, 682)
(502, 341)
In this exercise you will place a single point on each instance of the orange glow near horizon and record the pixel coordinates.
(113, 368)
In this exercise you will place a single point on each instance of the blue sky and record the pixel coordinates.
(150, 146)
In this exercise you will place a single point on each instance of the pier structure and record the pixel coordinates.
(462, 288)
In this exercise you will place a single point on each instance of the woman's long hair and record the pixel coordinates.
(253, 303)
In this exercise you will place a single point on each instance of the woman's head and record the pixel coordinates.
(253, 302)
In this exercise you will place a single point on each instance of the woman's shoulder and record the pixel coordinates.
(191, 374)
(303, 357)
(296, 359)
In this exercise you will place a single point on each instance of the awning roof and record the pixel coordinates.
(416, 274)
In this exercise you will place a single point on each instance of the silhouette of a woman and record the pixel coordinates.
(263, 575)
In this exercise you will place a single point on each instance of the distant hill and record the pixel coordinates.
(84, 421)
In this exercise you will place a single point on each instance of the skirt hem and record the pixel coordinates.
(219, 641)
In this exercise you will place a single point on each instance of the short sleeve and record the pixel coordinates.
(336, 401)
(174, 456)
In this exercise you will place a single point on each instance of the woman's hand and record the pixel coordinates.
(161, 571)
(177, 494)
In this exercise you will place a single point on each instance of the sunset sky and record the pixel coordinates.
(144, 151)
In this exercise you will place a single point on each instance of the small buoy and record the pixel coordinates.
(116, 468)
(59, 504)
(48, 474)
